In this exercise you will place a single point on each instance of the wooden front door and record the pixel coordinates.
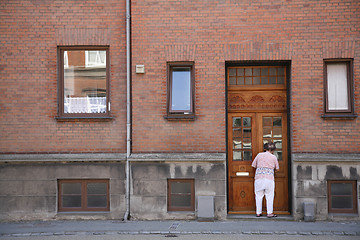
(256, 115)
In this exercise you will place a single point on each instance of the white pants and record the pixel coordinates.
(264, 187)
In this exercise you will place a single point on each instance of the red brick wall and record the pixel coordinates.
(30, 33)
(213, 32)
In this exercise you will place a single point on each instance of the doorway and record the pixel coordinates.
(257, 114)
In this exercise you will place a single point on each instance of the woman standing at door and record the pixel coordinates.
(265, 164)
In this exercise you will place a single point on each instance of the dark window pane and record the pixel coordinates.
(272, 71)
(232, 72)
(264, 72)
(97, 188)
(342, 202)
(96, 201)
(240, 81)
(264, 80)
(180, 187)
(232, 80)
(248, 80)
(281, 80)
(281, 71)
(71, 188)
(71, 201)
(248, 71)
(272, 80)
(341, 189)
(256, 80)
(256, 71)
(180, 200)
(240, 71)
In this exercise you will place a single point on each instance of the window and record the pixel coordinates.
(338, 87)
(342, 197)
(256, 75)
(84, 81)
(180, 89)
(181, 195)
(83, 195)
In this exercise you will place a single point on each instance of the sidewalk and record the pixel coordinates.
(113, 227)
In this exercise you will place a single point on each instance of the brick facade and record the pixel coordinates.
(31, 31)
(211, 34)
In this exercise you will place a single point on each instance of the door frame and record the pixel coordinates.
(248, 63)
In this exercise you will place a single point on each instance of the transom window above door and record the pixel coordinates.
(256, 75)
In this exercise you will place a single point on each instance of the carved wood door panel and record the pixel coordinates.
(248, 132)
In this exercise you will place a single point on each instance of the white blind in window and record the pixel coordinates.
(337, 86)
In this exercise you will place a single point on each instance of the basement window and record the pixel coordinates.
(181, 195)
(83, 195)
(342, 196)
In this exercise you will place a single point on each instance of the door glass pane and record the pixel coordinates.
(277, 122)
(267, 121)
(267, 132)
(237, 144)
(278, 143)
(247, 133)
(232, 80)
(272, 131)
(237, 122)
(242, 138)
(247, 143)
(277, 132)
(278, 154)
(247, 122)
(237, 133)
(237, 156)
(247, 155)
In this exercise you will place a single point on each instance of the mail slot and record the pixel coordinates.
(242, 174)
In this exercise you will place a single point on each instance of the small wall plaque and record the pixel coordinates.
(140, 69)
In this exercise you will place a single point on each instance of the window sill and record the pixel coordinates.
(180, 117)
(83, 119)
(339, 116)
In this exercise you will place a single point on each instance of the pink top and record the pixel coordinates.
(265, 163)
